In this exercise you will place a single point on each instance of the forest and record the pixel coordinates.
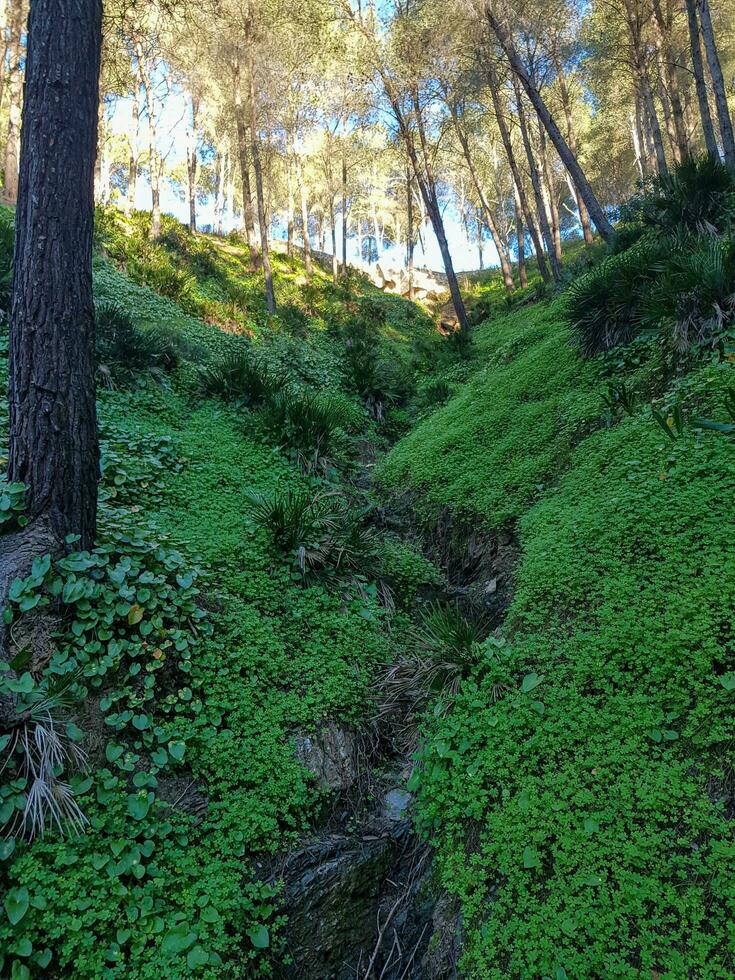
(367, 447)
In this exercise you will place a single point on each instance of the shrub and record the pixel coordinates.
(293, 319)
(240, 376)
(604, 305)
(697, 197)
(318, 530)
(692, 295)
(308, 423)
(122, 346)
(7, 243)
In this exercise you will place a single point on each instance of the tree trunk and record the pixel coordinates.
(304, 218)
(270, 298)
(665, 25)
(584, 216)
(520, 239)
(244, 160)
(191, 162)
(53, 424)
(536, 183)
(290, 209)
(708, 129)
(154, 168)
(15, 89)
(515, 170)
(344, 211)
(409, 232)
(505, 266)
(567, 157)
(134, 142)
(547, 187)
(333, 231)
(718, 82)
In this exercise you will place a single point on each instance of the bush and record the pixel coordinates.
(122, 346)
(604, 305)
(319, 531)
(308, 423)
(240, 376)
(696, 197)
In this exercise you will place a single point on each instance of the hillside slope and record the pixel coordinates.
(579, 788)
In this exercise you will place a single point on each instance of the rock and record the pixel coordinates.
(396, 804)
(442, 953)
(330, 755)
(492, 586)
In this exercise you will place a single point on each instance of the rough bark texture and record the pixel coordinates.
(698, 67)
(409, 233)
(567, 157)
(718, 82)
(53, 424)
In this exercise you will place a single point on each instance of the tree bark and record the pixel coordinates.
(515, 170)
(584, 215)
(304, 218)
(290, 209)
(244, 160)
(134, 142)
(154, 167)
(191, 162)
(664, 22)
(270, 298)
(567, 157)
(15, 92)
(53, 423)
(409, 232)
(718, 82)
(505, 265)
(695, 47)
(536, 184)
(520, 239)
(333, 232)
(344, 211)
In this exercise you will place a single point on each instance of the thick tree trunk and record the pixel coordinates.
(244, 160)
(718, 82)
(191, 162)
(695, 46)
(270, 298)
(515, 170)
(567, 157)
(15, 91)
(53, 423)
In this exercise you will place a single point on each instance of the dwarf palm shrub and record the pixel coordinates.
(123, 346)
(240, 376)
(308, 423)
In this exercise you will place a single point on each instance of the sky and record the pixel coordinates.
(172, 127)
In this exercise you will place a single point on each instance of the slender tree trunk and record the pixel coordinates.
(134, 142)
(53, 423)
(584, 216)
(547, 187)
(718, 82)
(191, 162)
(15, 89)
(515, 170)
(290, 209)
(154, 168)
(480, 250)
(344, 211)
(244, 161)
(505, 265)
(520, 239)
(409, 232)
(567, 157)
(270, 298)
(536, 183)
(304, 218)
(333, 231)
(708, 129)
(664, 23)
